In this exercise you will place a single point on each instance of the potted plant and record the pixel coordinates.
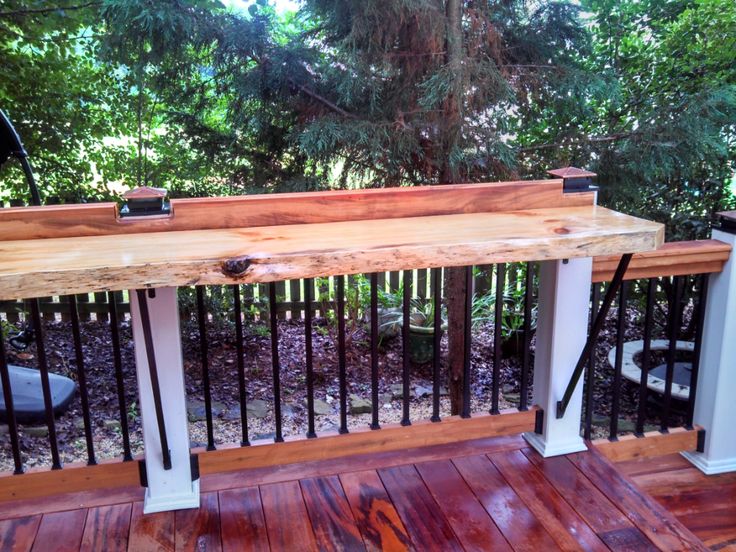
(421, 329)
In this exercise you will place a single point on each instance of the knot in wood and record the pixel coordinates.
(236, 266)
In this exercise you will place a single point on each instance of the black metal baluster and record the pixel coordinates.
(590, 379)
(437, 342)
(620, 331)
(10, 408)
(406, 372)
(82, 377)
(244, 441)
(45, 386)
(467, 340)
(526, 359)
(273, 315)
(497, 330)
(674, 332)
(646, 357)
(700, 313)
(204, 359)
(308, 286)
(374, 351)
(341, 354)
(119, 383)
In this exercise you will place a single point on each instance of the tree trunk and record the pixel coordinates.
(454, 277)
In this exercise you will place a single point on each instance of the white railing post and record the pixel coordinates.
(562, 329)
(715, 402)
(171, 489)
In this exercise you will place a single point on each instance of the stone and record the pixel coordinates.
(385, 398)
(512, 397)
(232, 414)
(258, 408)
(397, 391)
(28, 402)
(422, 391)
(79, 424)
(4, 429)
(359, 405)
(443, 391)
(322, 408)
(288, 409)
(37, 431)
(507, 388)
(263, 436)
(196, 411)
(113, 425)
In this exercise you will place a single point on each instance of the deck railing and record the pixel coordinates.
(661, 283)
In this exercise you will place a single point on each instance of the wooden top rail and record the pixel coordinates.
(292, 236)
(102, 219)
(672, 259)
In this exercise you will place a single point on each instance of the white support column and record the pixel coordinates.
(715, 405)
(167, 489)
(562, 329)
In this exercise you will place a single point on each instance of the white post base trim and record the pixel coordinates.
(166, 503)
(710, 467)
(546, 449)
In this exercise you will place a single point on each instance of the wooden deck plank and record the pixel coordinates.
(198, 529)
(425, 523)
(643, 466)
(380, 458)
(60, 531)
(568, 529)
(377, 519)
(332, 520)
(63, 266)
(473, 526)
(716, 528)
(661, 527)
(609, 523)
(107, 528)
(242, 525)
(287, 520)
(17, 535)
(517, 523)
(151, 532)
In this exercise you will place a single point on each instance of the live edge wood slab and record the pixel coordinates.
(388, 230)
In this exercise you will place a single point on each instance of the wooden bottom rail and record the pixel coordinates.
(112, 474)
(654, 443)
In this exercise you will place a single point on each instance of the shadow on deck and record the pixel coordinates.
(486, 494)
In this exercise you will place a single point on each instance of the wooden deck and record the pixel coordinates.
(487, 494)
(705, 504)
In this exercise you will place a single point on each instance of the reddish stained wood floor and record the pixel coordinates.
(488, 494)
(705, 504)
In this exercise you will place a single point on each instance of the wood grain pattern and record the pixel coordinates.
(17, 535)
(717, 528)
(654, 443)
(609, 523)
(671, 259)
(63, 266)
(151, 532)
(377, 519)
(198, 529)
(43, 482)
(106, 529)
(99, 219)
(655, 522)
(362, 441)
(561, 521)
(425, 523)
(471, 523)
(287, 520)
(242, 525)
(517, 523)
(332, 520)
(60, 531)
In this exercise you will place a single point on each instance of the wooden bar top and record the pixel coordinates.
(61, 266)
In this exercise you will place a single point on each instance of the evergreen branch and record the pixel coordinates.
(41, 11)
(321, 99)
(589, 140)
